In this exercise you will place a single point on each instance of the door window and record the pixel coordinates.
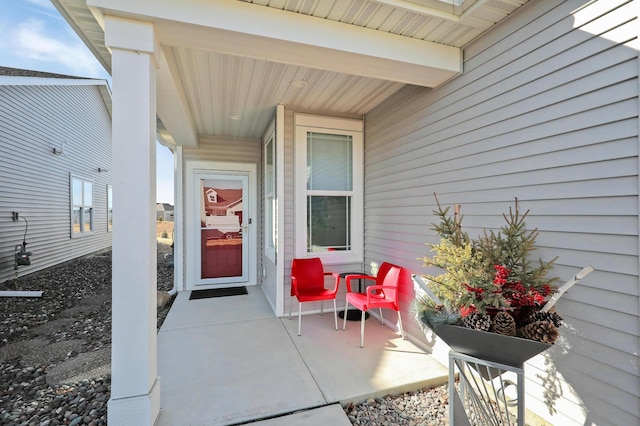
(221, 227)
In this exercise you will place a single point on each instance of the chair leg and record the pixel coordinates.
(362, 329)
(321, 307)
(290, 306)
(381, 317)
(400, 325)
(335, 313)
(299, 316)
(344, 318)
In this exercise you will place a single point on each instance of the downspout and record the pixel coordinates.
(178, 216)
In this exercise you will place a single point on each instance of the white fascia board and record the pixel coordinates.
(105, 92)
(282, 36)
(7, 80)
(78, 30)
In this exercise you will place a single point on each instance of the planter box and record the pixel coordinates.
(508, 350)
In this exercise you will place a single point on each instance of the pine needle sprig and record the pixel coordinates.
(449, 227)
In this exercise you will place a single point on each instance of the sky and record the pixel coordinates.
(34, 36)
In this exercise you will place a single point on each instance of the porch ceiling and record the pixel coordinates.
(225, 64)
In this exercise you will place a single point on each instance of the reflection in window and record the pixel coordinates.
(81, 206)
(328, 222)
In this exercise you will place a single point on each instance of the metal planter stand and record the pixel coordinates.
(479, 401)
(480, 359)
(480, 398)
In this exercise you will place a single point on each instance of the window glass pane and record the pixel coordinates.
(328, 220)
(76, 192)
(75, 219)
(269, 223)
(88, 194)
(86, 217)
(269, 169)
(329, 162)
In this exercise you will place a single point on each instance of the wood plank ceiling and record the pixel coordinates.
(234, 96)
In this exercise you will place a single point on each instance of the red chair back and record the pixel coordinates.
(390, 275)
(309, 273)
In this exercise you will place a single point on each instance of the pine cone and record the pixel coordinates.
(503, 323)
(541, 331)
(477, 321)
(552, 317)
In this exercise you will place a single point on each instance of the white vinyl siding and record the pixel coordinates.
(546, 111)
(35, 182)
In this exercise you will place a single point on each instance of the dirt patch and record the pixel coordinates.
(164, 229)
(164, 232)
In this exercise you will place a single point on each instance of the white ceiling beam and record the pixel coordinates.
(353, 63)
(172, 106)
(419, 9)
(238, 28)
(436, 13)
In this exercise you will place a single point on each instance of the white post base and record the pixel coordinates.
(139, 410)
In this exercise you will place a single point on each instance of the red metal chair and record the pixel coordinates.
(307, 285)
(383, 294)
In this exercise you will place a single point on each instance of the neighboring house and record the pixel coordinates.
(164, 212)
(222, 202)
(339, 140)
(55, 161)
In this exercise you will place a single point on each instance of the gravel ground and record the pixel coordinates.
(426, 407)
(50, 346)
(55, 353)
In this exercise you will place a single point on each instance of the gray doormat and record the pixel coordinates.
(217, 292)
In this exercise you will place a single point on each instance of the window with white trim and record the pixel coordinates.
(329, 207)
(81, 206)
(270, 227)
(109, 208)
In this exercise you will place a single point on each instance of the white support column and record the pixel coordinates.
(135, 388)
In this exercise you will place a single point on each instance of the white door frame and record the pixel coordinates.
(192, 219)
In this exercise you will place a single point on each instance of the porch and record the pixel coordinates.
(230, 360)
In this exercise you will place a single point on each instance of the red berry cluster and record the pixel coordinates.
(514, 293)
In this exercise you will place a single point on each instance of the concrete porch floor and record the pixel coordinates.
(230, 360)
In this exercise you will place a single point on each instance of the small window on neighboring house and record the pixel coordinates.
(81, 206)
(109, 208)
